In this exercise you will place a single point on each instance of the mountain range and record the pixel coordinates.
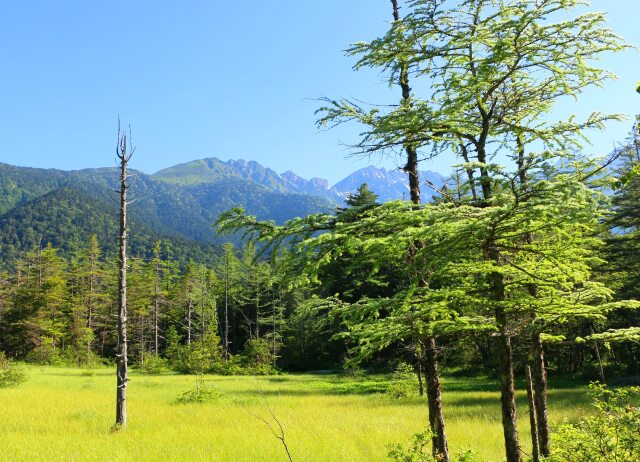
(178, 203)
(388, 184)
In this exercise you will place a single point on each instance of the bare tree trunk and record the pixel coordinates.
(121, 354)
(599, 358)
(189, 309)
(226, 308)
(156, 308)
(420, 382)
(535, 442)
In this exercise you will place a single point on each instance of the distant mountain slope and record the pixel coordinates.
(65, 207)
(66, 217)
(178, 203)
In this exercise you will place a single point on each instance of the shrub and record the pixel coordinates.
(419, 450)
(612, 434)
(10, 374)
(257, 357)
(203, 355)
(200, 393)
(153, 365)
(78, 357)
(45, 354)
(403, 382)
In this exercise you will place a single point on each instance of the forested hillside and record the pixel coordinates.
(181, 202)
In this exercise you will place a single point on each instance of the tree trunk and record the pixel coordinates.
(539, 369)
(189, 309)
(507, 382)
(411, 167)
(436, 416)
(121, 354)
(540, 395)
(535, 442)
(156, 309)
(420, 381)
(434, 393)
(599, 358)
(226, 309)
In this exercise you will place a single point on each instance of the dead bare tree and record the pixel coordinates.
(123, 153)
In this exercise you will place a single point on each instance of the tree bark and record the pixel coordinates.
(226, 309)
(535, 442)
(507, 382)
(121, 354)
(156, 308)
(539, 369)
(411, 167)
(434, 393)
(540, 395)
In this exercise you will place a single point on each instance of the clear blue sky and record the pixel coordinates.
(197, 79)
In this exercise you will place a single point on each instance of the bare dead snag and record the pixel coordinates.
(123, 153)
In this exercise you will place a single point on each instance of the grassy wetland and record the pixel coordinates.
(62, 414)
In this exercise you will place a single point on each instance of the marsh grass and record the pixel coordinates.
(63, 414)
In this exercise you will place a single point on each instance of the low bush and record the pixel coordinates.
(154, 365)
(10, 374)
(200, 393)
(612, 434)
(403, 382)
(419, 450)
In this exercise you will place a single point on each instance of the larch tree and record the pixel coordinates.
(495, 70)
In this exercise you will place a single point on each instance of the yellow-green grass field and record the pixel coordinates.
(66, 415)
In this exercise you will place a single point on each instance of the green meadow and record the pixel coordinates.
(63, 414)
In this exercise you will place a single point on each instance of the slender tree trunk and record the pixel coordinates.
(507, 382)
(189, 309)
(121, 355)
(434, 393)
(496, 281)
(420, 381)
(156, 309)
(535, 443)
(226, 309)
(539, 369)
(540, 395)
(599, 358)
(411, 167)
